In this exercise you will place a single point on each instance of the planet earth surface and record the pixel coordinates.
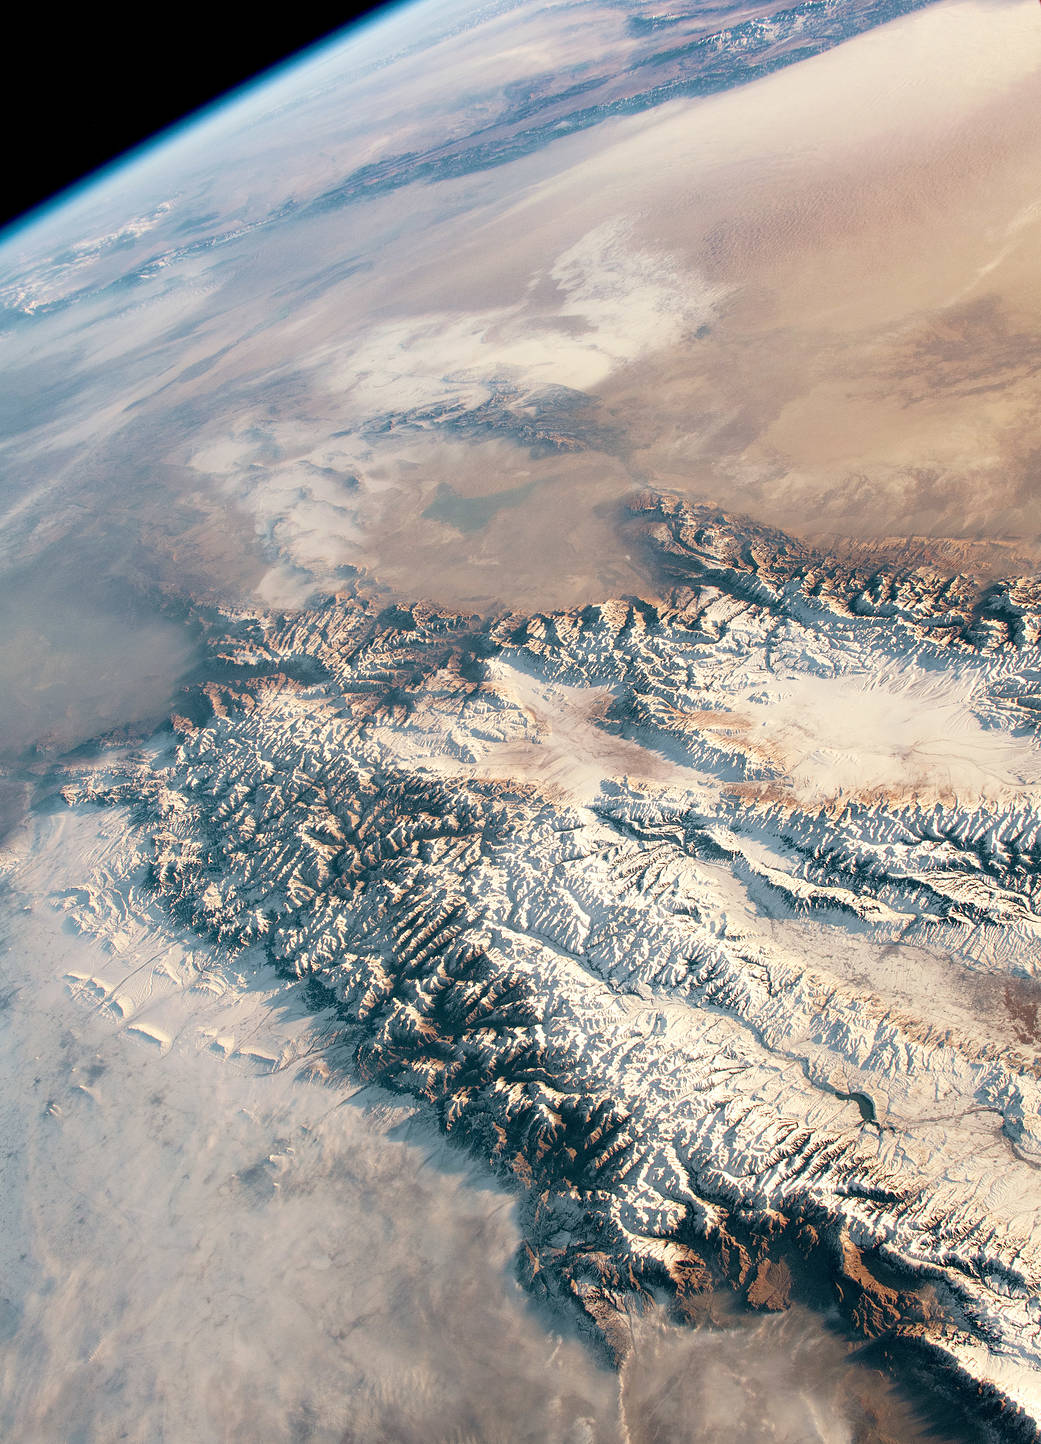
(520, 788)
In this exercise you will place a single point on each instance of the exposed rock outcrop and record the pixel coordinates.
(710, 922)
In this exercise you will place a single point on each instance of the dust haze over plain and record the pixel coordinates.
(809, 298)
(410, 311)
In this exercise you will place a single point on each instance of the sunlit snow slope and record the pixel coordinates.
(715, 921)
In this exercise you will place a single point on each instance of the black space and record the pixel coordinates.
(83, 86)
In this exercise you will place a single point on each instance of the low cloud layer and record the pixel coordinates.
(211, 1232)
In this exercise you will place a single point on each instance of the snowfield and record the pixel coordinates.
(614, 892)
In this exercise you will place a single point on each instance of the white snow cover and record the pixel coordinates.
(747, 994)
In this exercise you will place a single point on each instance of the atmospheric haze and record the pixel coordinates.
(520, 621)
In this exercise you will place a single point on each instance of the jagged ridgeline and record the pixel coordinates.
(713, 922)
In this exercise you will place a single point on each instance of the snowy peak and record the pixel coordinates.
(713, 922)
